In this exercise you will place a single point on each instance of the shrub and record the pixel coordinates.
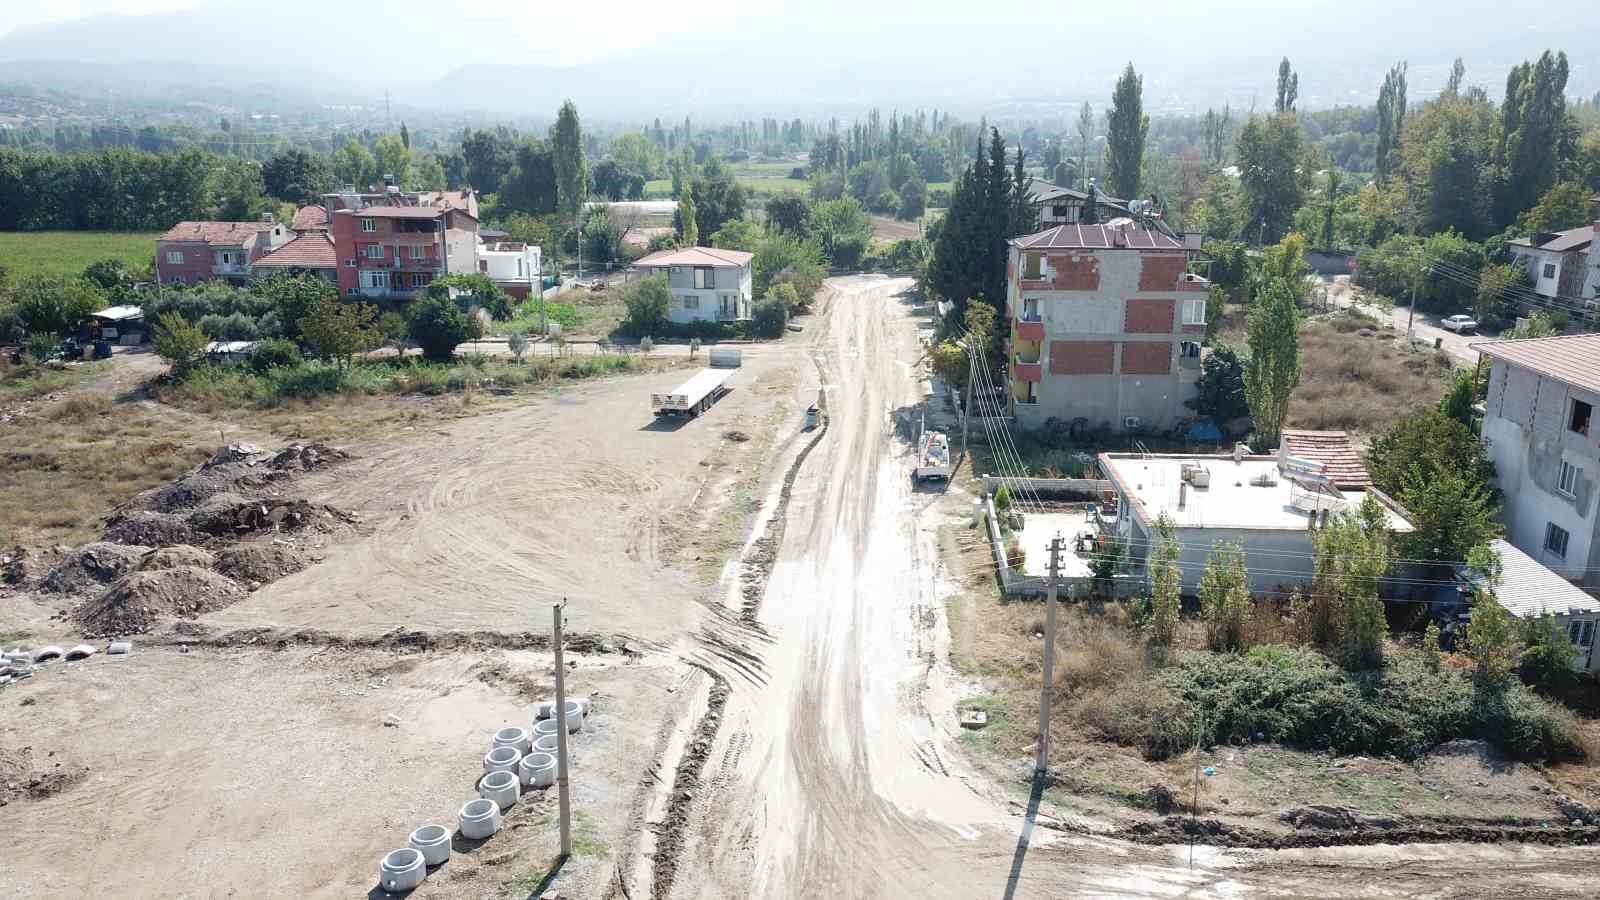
(182, 345)
(276, 353)
(648, 301)
(39, 346)
(517, 343)
(1549, 659)
(1225, 598)
(437, 325)
(1002, 499)
(770, 317)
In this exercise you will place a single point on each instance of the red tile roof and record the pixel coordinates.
(227, 234)
(398, 212)
(309, 251)
(307, 218)
(1097, 237)
(1340, 461)
(1573, 359)
(698, 256)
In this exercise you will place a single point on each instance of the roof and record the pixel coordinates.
(697, 256)
(118, 313)
(1572, 240)
(1339, 459)
(1234, 497)
(226, 234)
(1573, 358)
(398, 212)
(1041, 191)
(1097, 237)
(308, 251)
(309, 217)
(641, 236)
(1527, 588)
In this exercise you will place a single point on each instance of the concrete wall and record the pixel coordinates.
(1526, 429)
(734, 284)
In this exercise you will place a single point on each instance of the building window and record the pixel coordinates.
(1062, 212)
(1555, 540)
(175, 257)
(1030, 309)
(1582, 632)
(704, 279)
(1579, 419)
(691, 302)
(1031, 265)
(1194, 311)
(419, 251)
(369, 225)
(372, 251)
(1549, 270)
(1568, 482)
(352, 291)
(349, 264)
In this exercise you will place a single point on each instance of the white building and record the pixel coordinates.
(708, 284)
(513, 265)
(1267, 504)
(1564, 265)
(1540, 424)
(1528, 589)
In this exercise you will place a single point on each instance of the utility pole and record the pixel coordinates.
(1412, 316)
(561, 734)
(966, 411)
(1049, 656)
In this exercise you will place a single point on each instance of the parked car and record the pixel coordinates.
(1461, 324)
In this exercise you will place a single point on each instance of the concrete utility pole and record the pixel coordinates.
(1049, 656)
(966, 412)
(561, 734)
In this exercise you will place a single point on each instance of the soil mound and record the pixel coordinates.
(232, 515)
(91, 566)
(305, 457)
(188, 492)
(260, 562)
(135, 603)
(175, 556)
(149, 529)
(20, 779)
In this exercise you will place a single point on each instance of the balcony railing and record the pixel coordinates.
(230, 269)
(1027, 371)
(1029, 329)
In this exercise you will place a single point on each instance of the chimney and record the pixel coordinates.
(1183, 494)
(267, 218)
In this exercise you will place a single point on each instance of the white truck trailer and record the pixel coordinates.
(696, 395)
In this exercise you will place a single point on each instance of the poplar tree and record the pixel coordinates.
(1391, 116)
(572, 173)
(1126, 129)
(1273, 370)
(1288, 87)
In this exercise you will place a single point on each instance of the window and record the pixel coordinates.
(175, 257)
(1579, 419)
(350, 264)
(1031, 265)
(704, 279)
(421, 279)
(1582, 632)
(372, 251)
(1567, 483)
(352, 291)
(1062, 212)
(1555, 540)
(1030, 309)
(1194, 311)
(691, 302)
(369, 225)
(1549, 270)
(419, 251)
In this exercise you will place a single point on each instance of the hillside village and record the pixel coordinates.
(780, 508)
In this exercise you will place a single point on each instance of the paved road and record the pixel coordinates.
(1425, 328)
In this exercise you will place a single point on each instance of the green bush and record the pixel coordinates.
(770, 317)
(437, 325)
(1002, 499)
(276, 353)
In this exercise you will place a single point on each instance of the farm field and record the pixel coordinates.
(69, 252)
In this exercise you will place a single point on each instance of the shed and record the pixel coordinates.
(114, 323)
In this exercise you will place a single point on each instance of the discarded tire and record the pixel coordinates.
(545, 743)
(538, 769)
(45, 654)
(502, 759)
(480, 819)
(501, 787)
(433, 842)
(512, 737)
(402, 870)
(82, 651)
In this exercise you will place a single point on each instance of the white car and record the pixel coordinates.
(1460, 323)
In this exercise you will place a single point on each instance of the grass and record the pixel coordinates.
(70, 252)
(577, 312)
(27, 381)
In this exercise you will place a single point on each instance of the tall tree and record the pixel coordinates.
(1458, 74)
(1273, 370)
(572, 173)
(1085, 135)
(1126, 129)
(1217, 130)
(1330, 200)
(688, 228)
(405, 134)
(1271, 157)
(1225, 597)
(1532, 132)
(1391, 117)
(1288, 87)
(1166, 600)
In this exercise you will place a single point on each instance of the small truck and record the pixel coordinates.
(933, 456)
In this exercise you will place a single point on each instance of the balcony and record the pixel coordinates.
(1029, 328)
(230, 269)
(1027, 371)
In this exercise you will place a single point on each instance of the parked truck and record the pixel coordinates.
(696, 395)
(933, 456)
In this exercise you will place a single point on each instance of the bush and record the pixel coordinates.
(277, 353)
(437, 325)
(770, 317)
(1002, 499)
(182, 345)
(648, 300)
(1549, 659)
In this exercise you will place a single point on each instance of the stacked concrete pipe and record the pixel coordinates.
(402, 870)
(503, 758)
(545, 743)
(512, 737)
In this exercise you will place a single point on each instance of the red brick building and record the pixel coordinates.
(395, 251)
(1106, 324)
(192, 252)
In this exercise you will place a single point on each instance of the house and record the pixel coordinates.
(1106, 325)
(312, 253)
(1528, 589)
(1064, 206)
(396, 249)
(708, 284)
(1564, 265)
(513, 265)
(1267, 504)
(192, 252)
(1543, 431)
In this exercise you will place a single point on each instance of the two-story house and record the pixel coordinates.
(396, 251)
(1542, 425)
(192, 252)
(513, 265)
(708, 284)
(1106, 325)
(1065, 206)
(1561, 265)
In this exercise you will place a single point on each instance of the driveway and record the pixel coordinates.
(1425, 329)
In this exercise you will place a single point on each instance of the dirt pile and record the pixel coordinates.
(137, 602)
(91, 566)
(175, 556)
(260, 562)
(149, 529)
(230, 514)
(21, 779)
(15, 566)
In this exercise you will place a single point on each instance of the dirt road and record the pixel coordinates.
(1424, 327)
(824, 763)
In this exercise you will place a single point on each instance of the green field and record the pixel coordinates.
(69, 252)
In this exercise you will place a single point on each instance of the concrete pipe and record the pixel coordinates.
(82, 651)
(538, 769)
(402, 870)
(545, 743)
(119, 648)
(544, 727)
(480, 819)
(501, 787)
(45, 654)
(546, 707)
(433, 842)
(512, 737)
(575, 714)
(501, 759)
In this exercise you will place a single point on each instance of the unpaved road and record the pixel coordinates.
(833, 769)
(1424, 327)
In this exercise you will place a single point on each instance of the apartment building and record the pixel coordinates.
(192, 252)
(1106, 325)
(394, 251)
(1540, 422)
